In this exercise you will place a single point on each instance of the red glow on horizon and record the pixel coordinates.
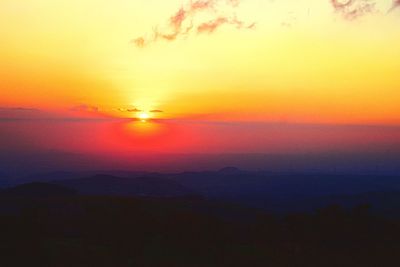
(150, 135)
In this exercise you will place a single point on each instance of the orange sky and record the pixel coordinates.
(302, 62)
(180, 83)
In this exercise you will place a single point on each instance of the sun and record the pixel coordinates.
(143, 116)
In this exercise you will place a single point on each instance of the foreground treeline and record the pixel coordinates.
(112, 231)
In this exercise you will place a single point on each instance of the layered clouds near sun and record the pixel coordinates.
(294, 61)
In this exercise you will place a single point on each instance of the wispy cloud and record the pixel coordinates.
(10, 113)
(78, 113)
(85, 108)
(352, 9)
(183, 23)
(213, 25)
(18, 109)
(133, 110)
(395, 5)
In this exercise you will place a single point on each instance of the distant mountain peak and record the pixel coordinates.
(104, 177)
(229, 170)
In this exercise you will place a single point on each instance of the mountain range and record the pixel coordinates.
(272, 192)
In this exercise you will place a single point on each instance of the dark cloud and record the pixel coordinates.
(85, 108)
(156, 111)
(129, 109)
(133, 110)
(182, 22)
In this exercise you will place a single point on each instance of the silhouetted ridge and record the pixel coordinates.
(38, 190)
(117, 186)
(230, 170)
(50, 176)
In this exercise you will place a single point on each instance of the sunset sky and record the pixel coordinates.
(208, 76)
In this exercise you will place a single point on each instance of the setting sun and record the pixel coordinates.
(143, 116)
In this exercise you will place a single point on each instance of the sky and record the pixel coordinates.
(209, 76)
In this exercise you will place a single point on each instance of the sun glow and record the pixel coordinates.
(143, 116)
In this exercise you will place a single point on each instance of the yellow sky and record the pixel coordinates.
(302, 62)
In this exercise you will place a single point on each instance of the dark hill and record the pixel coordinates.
(38, 190)
(117, 186)
(385, 203)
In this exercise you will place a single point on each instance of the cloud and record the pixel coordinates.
(19, 109)
(85, 108)
(395, 5)
(140, 42)
(138, 110)
(352, 9)
(182, 22)
(133, 110)
(20, 113)
(213, 25)
(77, 113)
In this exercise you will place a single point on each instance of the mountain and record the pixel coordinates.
(118, 186)
(68, 175)
(277, 191)
(49, 176)
(36, 189)
(230, 170)
(282, 185)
